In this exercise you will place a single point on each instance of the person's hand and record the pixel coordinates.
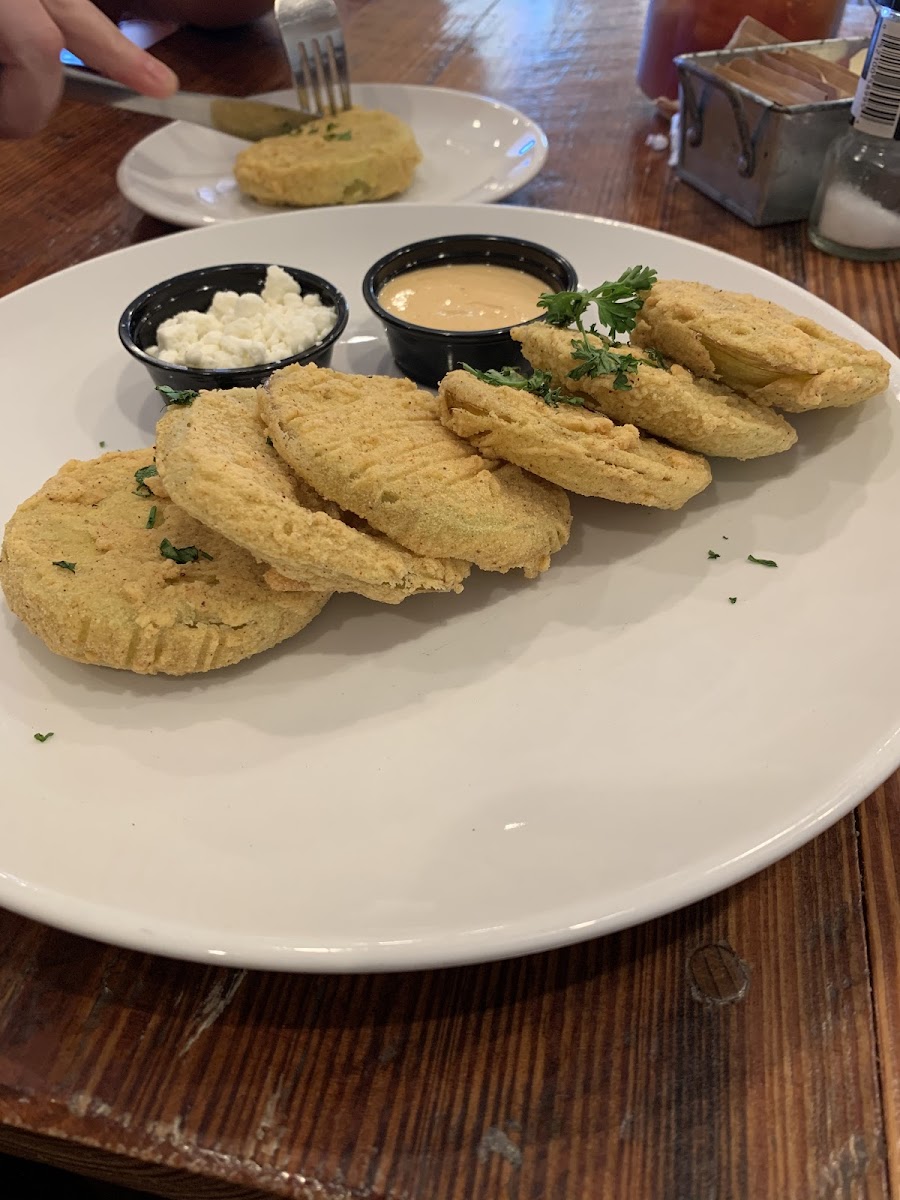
(32, 34)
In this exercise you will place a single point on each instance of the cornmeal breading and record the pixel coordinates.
(256, 504)
(758, 348)
(573, 447)
(84, 572)
(215, 461)
(352, 157)
(376, 446)
(695, 414)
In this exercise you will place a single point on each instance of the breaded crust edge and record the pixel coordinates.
(125, 605)
(574, 448)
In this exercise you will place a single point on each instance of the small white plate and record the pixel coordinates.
(458, 777)
(475, 150)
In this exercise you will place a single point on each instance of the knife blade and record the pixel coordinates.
(247, 119)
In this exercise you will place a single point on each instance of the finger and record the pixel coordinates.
(30, 71)
(99, 44)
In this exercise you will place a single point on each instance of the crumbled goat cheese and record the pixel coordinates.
(246, 330)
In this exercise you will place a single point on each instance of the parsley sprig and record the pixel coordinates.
(539, 383)
(596, 353)
(618, 303)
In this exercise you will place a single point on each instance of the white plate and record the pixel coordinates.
(475, 150)
(460, 777)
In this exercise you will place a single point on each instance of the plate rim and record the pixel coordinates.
(509, 188)
(117, 927)
(88, 919)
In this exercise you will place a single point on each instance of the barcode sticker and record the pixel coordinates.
(876, 107)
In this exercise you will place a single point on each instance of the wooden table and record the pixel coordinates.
(746, 1047)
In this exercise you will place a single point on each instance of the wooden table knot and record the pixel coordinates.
(717, 975)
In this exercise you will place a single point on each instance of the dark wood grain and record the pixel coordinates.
(620, 1068)
(880, 844)
(746, 1047)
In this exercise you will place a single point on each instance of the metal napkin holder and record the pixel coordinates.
(760, 159)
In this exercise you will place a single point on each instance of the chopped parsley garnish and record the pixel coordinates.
(66, 566)
(724, 537)
(102, 445)
(539, 384)
(330, 134)
(269, 442)
(140, 475)
(732, 599)
(182, 554)
(171, 396)
(43, 737)
(712, 554)
(656, 359)
(151, 518)
(617, 302)
(595, 359)
(762, 562)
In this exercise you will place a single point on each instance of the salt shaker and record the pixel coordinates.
(856, 213)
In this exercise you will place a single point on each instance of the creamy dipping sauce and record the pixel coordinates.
(463, 296)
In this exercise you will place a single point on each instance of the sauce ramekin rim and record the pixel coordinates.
(340, 304)
(371, 296)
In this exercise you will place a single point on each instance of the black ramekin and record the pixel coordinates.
(426, 355)
(194, 291)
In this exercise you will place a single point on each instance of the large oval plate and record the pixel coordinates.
(460, 777)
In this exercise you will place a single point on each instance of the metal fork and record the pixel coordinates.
(314, 43)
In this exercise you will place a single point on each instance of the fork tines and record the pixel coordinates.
(321, 75)
(314, 43)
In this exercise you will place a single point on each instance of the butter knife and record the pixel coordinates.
(248, 119)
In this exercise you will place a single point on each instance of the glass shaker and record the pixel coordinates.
(856, 213)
